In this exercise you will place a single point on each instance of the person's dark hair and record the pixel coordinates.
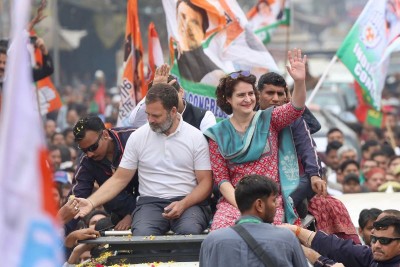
(271, 78)
(393, 158)
(368, 144)
(388, 150)
(53, 147)
(227, 85)
(356, 127)
(347, 163)
(176, 84)
(90, 123)
(3, 45)
(3, 50)
(251, 188)
(334, 145)
(202, 12)
(93, 213)
(65, 153)
(332, 130)
(378, 132)
(392, 212)
(66, 132)
(164, 93)
(54, 135)
(378, 153)
(388, 221)
(367, 215)
(351, 177)
(104, 224)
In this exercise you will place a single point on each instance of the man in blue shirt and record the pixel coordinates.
(102, 152)
(256, 199)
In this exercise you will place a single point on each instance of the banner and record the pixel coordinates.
(29, 234)
(366, 49)
(49, 98)
(209, 39)
(156, 57)
(133, 87)
(267, 15)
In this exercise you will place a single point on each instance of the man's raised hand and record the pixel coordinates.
(161, 74)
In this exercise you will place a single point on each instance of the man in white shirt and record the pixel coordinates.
(174, 171)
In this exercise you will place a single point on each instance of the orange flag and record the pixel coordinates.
(49, 98)
(133, 86)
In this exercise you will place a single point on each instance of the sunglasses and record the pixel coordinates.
(236, 74)
(383, 240)
(93, 147)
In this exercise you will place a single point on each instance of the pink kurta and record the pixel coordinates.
(267, 165)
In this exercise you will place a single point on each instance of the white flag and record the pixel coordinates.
(28, 233)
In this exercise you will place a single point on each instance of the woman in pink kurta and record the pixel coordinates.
(266, 165)
(237, 95)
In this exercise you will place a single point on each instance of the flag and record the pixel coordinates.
(156, 57)
(364, 112)
(133, 87)
(29, 233)
(265, 16)
(49, 98)
(209, 38)
(366, 49)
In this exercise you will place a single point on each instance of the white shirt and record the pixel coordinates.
(166, 164)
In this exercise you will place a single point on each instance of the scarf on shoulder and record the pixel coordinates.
(236, 148)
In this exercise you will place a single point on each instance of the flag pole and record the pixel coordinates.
(321, 80)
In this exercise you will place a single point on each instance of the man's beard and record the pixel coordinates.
(163, 127)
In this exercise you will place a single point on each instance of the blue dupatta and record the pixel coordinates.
(237, 149)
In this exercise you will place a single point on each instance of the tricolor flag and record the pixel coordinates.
(156, 57)
(366, 49)
(133, 87)
(210, 39)
(267, 15)
(29, 233)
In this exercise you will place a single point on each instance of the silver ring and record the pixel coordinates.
(76, 208)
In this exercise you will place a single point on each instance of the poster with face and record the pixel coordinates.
(208, 40)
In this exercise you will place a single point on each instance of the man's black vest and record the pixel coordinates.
(193, 115)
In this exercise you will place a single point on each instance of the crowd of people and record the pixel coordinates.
(176, 169)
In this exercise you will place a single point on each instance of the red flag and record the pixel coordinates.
(156, 57)
(133, 86)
